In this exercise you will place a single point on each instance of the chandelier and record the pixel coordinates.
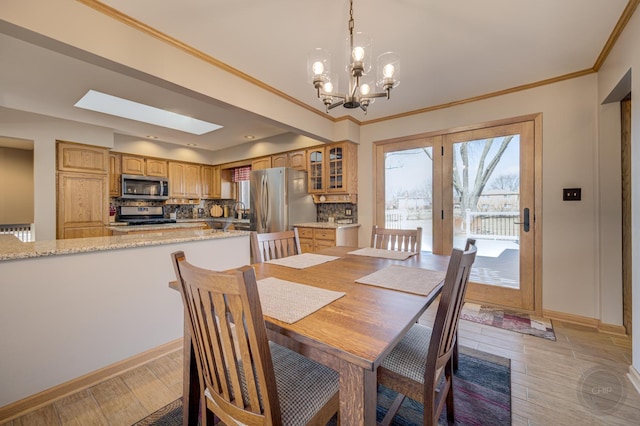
(358, 51)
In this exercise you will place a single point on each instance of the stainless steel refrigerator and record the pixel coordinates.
(279, 199)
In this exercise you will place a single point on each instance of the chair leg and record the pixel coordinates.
(451, 417)
(393, 410)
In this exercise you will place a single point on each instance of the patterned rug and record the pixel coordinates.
(509, 320)
(481, 387)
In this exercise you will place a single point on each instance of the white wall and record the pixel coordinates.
(69, 315)
(625, 56)
(44, 131)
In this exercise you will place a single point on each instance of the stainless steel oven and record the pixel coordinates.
(136, 187)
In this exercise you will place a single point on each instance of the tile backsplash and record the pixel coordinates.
(340, 212)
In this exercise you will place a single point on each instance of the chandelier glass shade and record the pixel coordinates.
(360, 92)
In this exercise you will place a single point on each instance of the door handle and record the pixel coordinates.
(526, 220)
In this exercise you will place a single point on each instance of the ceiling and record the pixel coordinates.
(450, 51)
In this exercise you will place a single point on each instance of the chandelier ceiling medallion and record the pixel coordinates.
(359, 53)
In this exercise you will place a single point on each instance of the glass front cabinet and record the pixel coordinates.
(333, 170)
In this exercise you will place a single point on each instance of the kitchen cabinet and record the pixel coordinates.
(184, 180)
(210, 185)
(82, 185)
(75, 157)
(313, 239)
(82, 209)
(296, 160)
(279, 160)
(135, 165)
(333, 170)
(155, 167)
(261, 163)
(115, 175)
(132, 165)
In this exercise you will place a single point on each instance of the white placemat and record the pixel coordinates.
(304, 260)
(386, 254)
(289, 302)
(403, 278)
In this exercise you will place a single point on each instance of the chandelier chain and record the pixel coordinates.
(351, 22)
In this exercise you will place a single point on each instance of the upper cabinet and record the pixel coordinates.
(333, 172)
(184, 180)
(296, 160)
(155, 167)
(210, 182)
(73, 157)
(115, 175)
(135, 165)
(261, 163)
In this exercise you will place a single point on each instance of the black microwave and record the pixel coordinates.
(136, 187)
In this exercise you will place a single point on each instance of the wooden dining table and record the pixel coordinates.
(351, 335)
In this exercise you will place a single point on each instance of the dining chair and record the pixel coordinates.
(424, 357)
(274, 245)
(396, 239)
(244, 378)
(470, 242)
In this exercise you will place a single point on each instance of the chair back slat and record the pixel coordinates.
(230, 342)
(445, 326)
(275, 245)
(409, 240)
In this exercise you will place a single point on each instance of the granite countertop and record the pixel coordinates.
(228, 219)
(12, 248)
(327, 225)
(159, 227)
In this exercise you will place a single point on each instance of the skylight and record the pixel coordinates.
(112, 105)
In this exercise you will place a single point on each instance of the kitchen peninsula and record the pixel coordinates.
(72, 309)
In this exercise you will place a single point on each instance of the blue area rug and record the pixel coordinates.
(482, 393)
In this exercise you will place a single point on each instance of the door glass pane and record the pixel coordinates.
(486, 206)
(408, 177)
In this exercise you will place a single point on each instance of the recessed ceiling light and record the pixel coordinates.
(108, 104)
(249, 137)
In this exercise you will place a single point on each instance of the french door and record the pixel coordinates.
(475, 183)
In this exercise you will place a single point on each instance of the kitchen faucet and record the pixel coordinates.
(237, 212)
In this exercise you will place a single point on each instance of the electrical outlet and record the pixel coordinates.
(571, 194)
(348, 212)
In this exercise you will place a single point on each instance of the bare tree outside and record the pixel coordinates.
(507, 182)
(485, 159)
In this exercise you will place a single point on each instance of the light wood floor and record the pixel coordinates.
(544, 381)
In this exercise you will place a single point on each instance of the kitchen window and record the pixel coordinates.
(241, 176)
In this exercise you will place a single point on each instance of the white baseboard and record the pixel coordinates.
(634, 377)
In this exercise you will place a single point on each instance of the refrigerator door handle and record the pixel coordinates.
(264, 204)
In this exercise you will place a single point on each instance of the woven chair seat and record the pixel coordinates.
(409, 357)
(304, 386)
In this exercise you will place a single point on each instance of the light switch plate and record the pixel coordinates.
(571, 194)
